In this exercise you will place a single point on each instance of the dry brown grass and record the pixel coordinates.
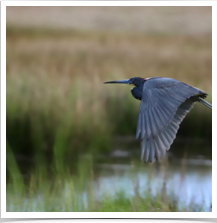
(66, 72)
(102, 42)
(102, 56)
(173, 20)
(58, 74)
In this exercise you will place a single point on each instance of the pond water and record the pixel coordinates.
(185, 177)
(188, 180)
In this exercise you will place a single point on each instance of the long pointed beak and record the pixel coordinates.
(118, 82)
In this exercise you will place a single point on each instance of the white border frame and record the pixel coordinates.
(5, 214)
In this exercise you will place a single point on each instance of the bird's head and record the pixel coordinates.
(136, 81)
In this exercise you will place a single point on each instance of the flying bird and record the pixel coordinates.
(164, 104)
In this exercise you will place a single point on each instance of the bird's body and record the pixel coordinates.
(164, 104)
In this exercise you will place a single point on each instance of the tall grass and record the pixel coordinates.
(58, 108)
(64, 191)
(56, 99)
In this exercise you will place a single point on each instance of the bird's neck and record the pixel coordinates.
(137, 92)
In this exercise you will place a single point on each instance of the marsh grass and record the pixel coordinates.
(56, 99)
(66, 192)
(58, 108)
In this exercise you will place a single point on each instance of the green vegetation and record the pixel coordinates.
(55, 91)
(64, 191)
(58, 108)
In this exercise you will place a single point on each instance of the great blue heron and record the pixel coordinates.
(164, 104)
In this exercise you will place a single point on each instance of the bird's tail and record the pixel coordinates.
(207, 104)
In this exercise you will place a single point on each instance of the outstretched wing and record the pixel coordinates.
(164, 104)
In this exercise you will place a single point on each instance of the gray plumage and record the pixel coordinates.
(164, 104)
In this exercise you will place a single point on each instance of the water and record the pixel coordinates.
(188, 180)
(193, 186)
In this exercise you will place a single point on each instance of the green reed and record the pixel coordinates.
(58, 108)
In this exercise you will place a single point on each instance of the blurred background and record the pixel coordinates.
(71, 140)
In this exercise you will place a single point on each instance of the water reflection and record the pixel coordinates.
(188, 180)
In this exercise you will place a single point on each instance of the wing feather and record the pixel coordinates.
(143, 127)
(159, 146)
(157, 150)
(143, 149)
(152, 123)
(147, 126)
(152, 150)
(161, 117)
(147, 150)
(139, 124)
(164, 141)
(168, 137)
(165, 103)
(161, 108)
(157, 120)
